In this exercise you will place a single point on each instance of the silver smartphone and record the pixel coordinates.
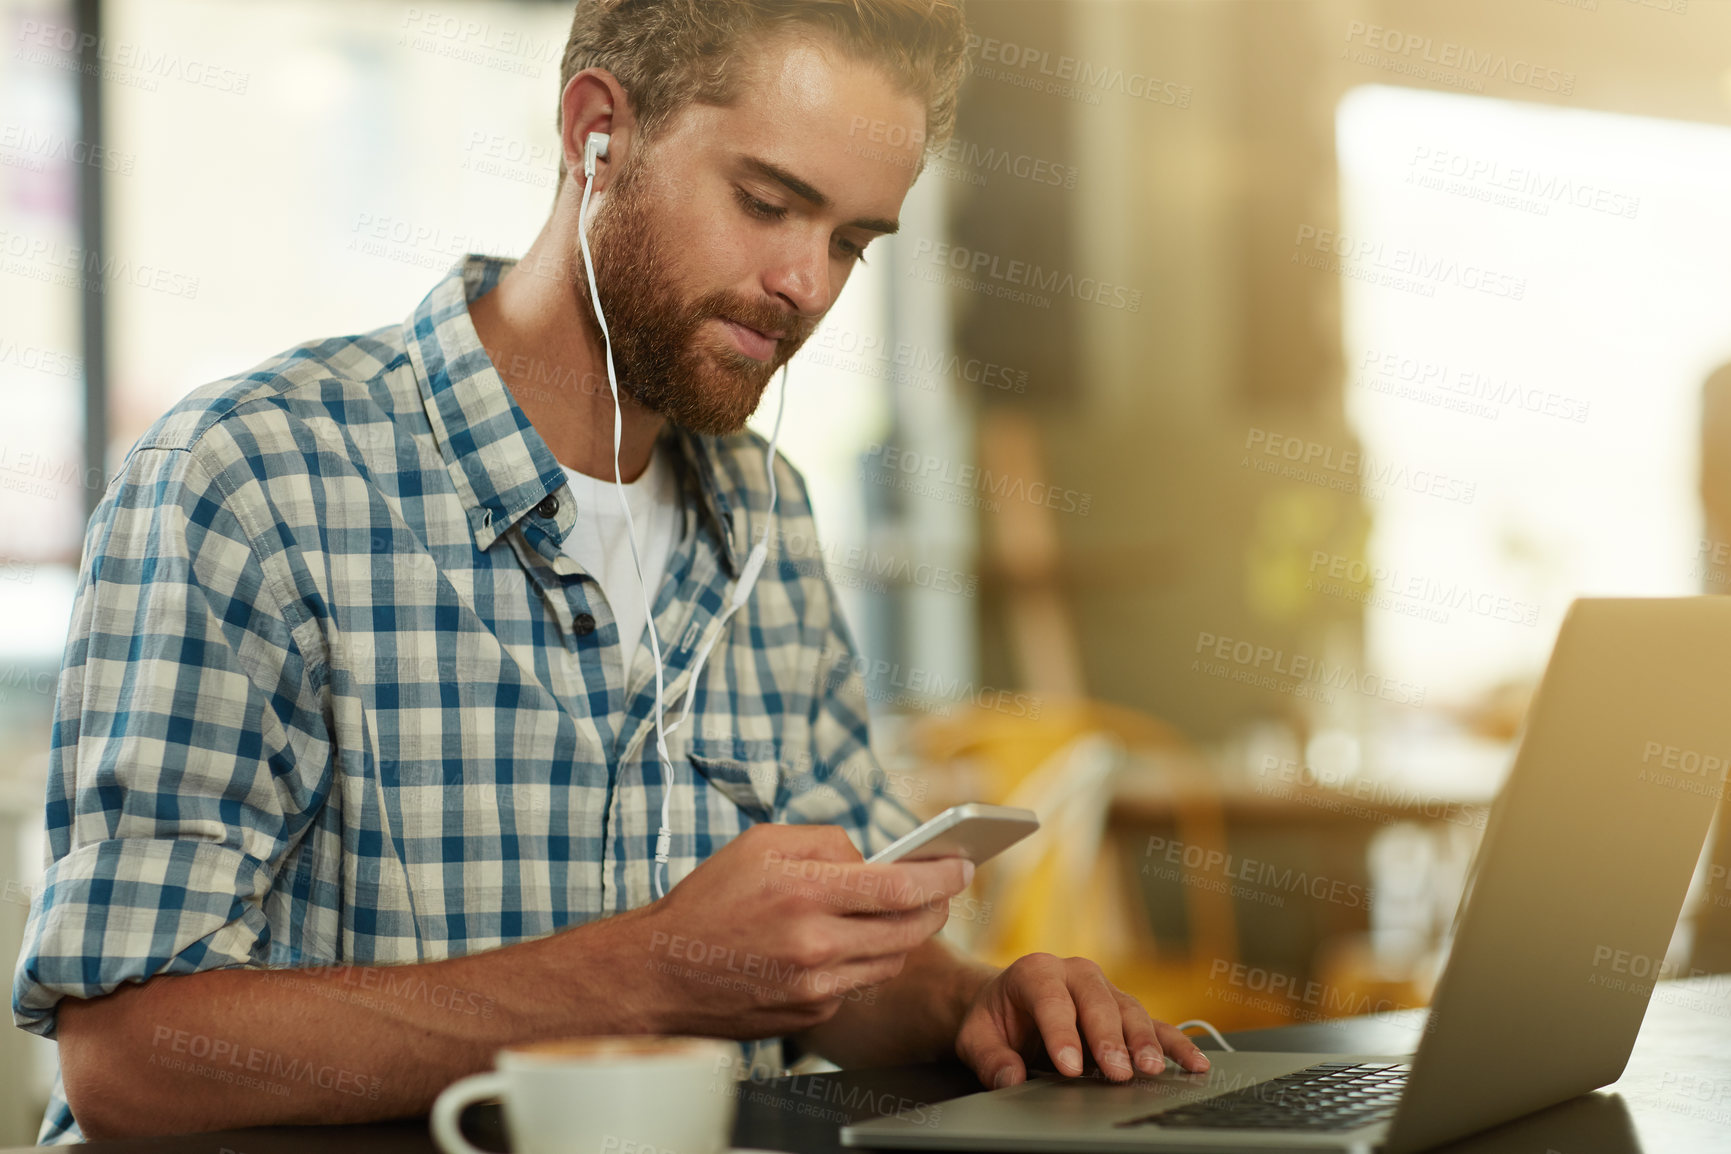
(975, 831)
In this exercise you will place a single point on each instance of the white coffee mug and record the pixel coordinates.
(612, 1095)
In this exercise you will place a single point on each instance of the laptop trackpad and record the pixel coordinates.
(1054, 1097)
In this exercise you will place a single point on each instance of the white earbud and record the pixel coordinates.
(595, 147)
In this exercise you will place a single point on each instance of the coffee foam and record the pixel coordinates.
(607, 1049)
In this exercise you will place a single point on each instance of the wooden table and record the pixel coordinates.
(1674, 1098)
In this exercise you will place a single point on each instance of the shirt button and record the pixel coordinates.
(585, 624)
(549, 506)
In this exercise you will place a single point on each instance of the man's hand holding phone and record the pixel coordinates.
(784, 925)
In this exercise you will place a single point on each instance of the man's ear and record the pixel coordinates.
(592, 102)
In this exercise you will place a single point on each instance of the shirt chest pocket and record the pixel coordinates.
(747, 742)
(747, 773)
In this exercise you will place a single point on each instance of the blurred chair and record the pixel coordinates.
(1071, 889)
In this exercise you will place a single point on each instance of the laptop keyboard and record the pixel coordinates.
(1328, 1096)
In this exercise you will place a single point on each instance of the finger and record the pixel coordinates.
(897, 933)
(856, 887)
(1140, 1036)
(1045, 996)
(783, 850)
(831, 972)
(873, 971)
(1185, 1052)
(1102, 1018)
(909, 885)
(822, 842)
(846, 980)
(982, 1046)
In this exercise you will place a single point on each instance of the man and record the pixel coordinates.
(352, 777)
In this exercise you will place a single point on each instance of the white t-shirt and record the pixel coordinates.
(598, 540)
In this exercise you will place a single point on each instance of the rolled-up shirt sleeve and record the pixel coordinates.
(188, 752)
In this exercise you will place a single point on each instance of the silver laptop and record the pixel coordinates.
(1569, 909)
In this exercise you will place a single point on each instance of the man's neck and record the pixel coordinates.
(545, 347)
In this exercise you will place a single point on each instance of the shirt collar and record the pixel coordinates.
(499, 464)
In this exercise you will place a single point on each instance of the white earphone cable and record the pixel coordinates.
(594, 148)
(1212, 1033)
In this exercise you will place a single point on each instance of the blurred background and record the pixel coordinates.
(1208, 464)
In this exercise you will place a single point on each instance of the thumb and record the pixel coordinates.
(1000, 1067)
(816, 843)
(810, 842)
(988, 1053)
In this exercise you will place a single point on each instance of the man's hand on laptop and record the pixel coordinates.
(784, 925)
(1040, 1001)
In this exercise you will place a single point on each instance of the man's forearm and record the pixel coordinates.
(912, 1018)
(231, 1048)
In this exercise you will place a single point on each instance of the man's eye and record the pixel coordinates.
(854, 252)
(761, 209)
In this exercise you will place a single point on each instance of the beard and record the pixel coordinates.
(705, 387)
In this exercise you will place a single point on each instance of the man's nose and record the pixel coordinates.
(801, 279)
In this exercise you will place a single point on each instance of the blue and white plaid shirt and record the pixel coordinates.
(333, 584)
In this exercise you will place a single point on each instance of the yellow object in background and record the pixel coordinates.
(1067, 889)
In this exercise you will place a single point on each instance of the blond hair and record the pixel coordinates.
(670, 53)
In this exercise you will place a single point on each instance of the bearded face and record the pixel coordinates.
(669, 356)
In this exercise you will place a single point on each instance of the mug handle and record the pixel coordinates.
(449, 1106)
